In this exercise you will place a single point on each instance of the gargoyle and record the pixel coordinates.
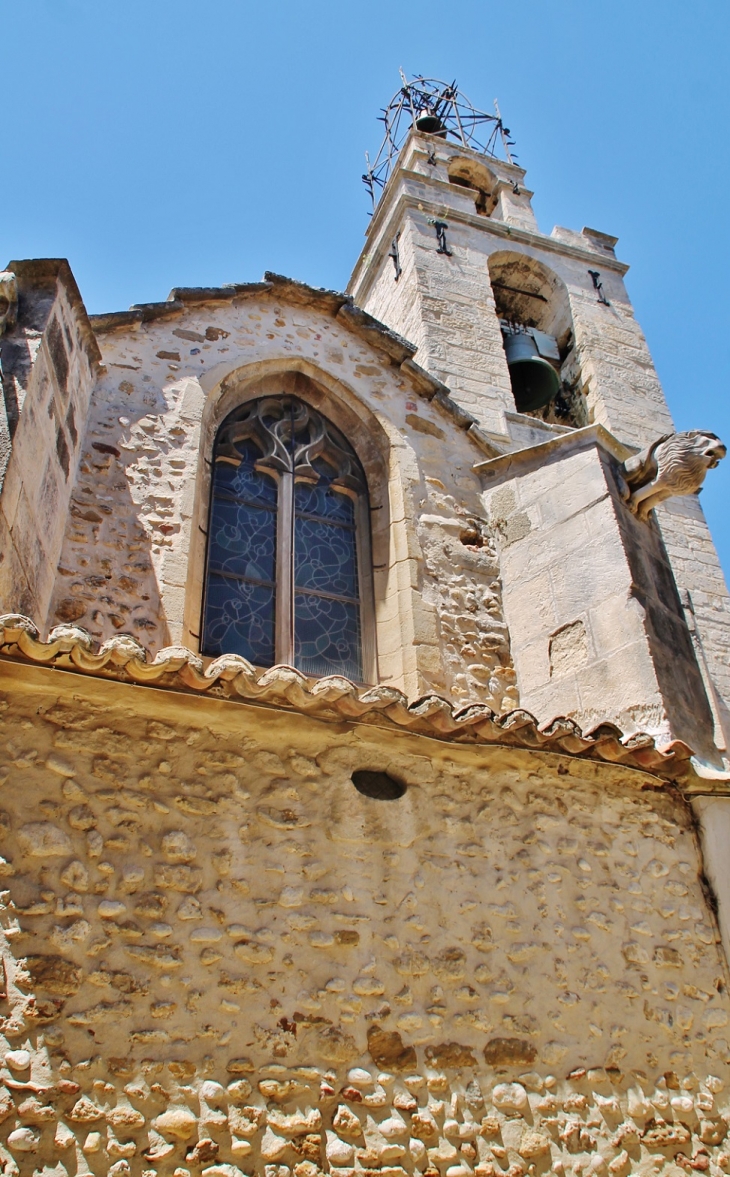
(675, 464)
(8, 300)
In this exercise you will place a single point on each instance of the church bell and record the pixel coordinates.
(534, 380)
(429, 123)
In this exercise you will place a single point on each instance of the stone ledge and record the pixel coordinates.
(232, 677)
(520, 461)
(383, 224)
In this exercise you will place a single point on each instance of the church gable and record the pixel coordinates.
(136, 540)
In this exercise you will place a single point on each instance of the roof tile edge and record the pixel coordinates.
(178, 669)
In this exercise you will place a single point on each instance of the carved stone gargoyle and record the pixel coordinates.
(675, 464)
(8, 300)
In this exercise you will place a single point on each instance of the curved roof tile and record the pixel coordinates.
(178, 669)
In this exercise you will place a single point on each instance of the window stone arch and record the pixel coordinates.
(389, 469)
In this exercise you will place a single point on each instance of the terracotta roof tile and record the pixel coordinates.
(178, 669)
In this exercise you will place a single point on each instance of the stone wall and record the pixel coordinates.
(698, 571)
(403, 314)
(596, 625)
(219, 955)
(445, 306)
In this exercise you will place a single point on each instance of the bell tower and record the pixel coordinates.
(529, 331)
(535, 337)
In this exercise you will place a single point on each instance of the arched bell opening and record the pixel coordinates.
(537, 332)
(467, 173)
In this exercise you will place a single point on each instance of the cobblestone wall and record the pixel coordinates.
(219, 955)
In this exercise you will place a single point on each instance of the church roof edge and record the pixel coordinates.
(231, 677)
(330, 301)
(340, 306)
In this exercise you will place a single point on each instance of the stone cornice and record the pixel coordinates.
(386, 221)
(332, 699)
(517, 461)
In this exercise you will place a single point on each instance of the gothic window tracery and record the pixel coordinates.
(288, 568)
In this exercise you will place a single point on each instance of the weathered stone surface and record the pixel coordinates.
(346, 1122)
(24, 1140)
(124, 1118)
(509, 1051)
(256, 1070)
(84, 1111)
(339, 1152)
(42, 839)
(245, 1121)
(387, 1050)
(240, 1066)
(510, 1097)
(450, 1054)
(295, 1124)
(534, 1144)
(665, 1135)
(178, 1122)
(178, 878)
(178, 847)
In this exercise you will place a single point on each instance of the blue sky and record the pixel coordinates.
(175, 143)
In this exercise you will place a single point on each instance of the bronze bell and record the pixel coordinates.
(534, 380)
(429, 123)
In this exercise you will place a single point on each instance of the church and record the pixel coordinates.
(364, 685)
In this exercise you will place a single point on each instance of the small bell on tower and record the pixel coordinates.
(534, 379)
(429, 123)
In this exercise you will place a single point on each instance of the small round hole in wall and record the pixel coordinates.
(381, 786)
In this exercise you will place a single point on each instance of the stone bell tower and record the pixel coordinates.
(535, 337)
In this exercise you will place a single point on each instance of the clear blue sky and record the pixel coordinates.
(176, 143)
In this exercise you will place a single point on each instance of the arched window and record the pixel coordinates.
(288, 572)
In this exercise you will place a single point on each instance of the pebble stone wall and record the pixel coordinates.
(219, 957)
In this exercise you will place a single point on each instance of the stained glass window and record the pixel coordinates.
(285, 541)
(326, 599)
(240, 596)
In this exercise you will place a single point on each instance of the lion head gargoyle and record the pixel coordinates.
(674, 464)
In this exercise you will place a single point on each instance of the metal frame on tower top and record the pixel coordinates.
(451, 111)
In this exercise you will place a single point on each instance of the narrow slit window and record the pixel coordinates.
(288, 571)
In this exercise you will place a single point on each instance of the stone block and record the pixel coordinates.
(616, 622)
(532, 610)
